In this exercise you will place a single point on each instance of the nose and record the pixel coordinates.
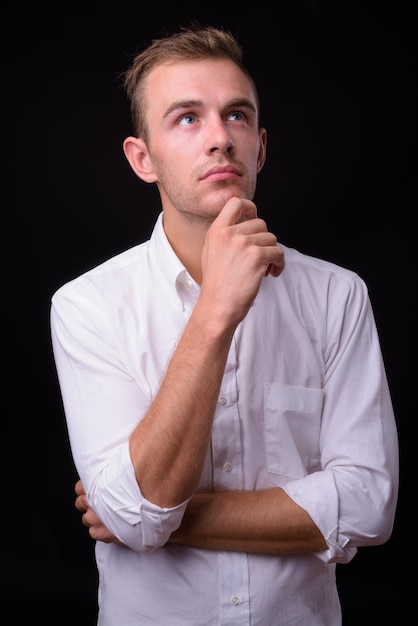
(227, 148)
(219, 137)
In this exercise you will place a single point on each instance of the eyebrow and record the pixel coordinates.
(183, 104)
(191, 104)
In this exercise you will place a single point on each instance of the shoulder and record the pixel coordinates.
(305, 267)
(321, 283)
(307, 264)
(112, 276)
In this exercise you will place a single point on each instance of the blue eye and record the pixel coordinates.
(187, 120)
(237, 115)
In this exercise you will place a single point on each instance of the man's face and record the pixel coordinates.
(204, 142)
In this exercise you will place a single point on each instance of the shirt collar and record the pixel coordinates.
(169, 267)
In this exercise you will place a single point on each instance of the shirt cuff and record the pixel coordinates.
(134, 520)
(318, 496)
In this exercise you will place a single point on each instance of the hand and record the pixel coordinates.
(238, 253)
(97, 530)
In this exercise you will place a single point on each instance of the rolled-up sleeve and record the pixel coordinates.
(104, 399)
(118, 502)
(353, 497)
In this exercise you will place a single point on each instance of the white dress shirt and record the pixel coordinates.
(304, 404)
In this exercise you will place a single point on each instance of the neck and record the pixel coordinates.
(186, 235)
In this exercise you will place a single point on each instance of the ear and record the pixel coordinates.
(262, 151)
(139, 159)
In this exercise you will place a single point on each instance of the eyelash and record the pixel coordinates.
(194, 116)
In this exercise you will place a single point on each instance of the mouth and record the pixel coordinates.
(217, 173)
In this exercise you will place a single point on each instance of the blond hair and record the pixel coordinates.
(191, 43)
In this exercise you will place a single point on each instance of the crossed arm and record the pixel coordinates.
(265, 521)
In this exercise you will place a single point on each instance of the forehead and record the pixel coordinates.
(206, 80)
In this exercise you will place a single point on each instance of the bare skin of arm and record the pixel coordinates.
(266, 522)
(169, 444)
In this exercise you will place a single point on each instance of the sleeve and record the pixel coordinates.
(102, 405)
(353, 498)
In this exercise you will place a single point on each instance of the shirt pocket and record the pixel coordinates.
(292, 421)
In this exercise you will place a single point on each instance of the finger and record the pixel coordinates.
(90, 518)
(81, 503)
(84, 521)
(277, 264)
(236, 210)
(78, 488)
(256, 226)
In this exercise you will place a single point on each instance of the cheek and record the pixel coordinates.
(173, 159)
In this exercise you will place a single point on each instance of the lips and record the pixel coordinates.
(227, 172)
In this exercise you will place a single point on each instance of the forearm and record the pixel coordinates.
(169, 445)
(266, 522)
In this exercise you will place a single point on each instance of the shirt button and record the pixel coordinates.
(235, 600)
(227, 467)
(222, 400)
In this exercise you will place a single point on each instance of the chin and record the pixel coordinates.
(226, 194)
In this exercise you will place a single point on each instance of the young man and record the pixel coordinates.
(228, 412)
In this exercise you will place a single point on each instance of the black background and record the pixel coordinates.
(337, 82)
